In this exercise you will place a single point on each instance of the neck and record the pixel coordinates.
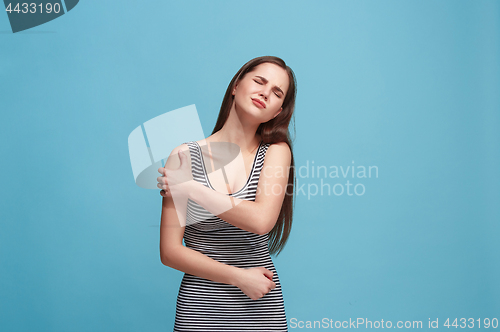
(239, 131)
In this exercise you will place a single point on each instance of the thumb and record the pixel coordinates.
(182, 157)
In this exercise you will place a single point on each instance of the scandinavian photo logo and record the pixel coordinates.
(324, 180)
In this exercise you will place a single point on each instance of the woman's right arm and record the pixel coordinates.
(254, 282)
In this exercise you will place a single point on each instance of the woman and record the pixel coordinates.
(232, 226)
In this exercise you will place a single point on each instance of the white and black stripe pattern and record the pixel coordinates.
(205, 305)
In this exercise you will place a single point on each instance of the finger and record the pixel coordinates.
(162, 186)
(161, 170)
(268, 274)
(162, 180)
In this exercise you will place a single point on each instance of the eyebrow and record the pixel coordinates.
(265, 81)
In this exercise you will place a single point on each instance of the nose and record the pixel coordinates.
(265, 93)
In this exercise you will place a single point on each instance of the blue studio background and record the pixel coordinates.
(411, 87)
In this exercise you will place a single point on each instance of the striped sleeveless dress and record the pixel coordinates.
(205, 305)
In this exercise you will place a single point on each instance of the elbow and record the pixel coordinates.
(264, 228)
(261, 231)
(166, 256)
(164, 259)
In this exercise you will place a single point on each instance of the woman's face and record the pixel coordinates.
(262, 91)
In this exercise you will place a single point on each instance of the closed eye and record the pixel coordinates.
(277, 95)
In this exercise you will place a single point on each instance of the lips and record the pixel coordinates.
(258, 103)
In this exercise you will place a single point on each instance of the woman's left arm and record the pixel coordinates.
(257, 216)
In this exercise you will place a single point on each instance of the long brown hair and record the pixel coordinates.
(273, 131)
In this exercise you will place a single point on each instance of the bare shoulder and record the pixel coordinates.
(183, 147)
(173, 160)
(280, 147)
(279, 153)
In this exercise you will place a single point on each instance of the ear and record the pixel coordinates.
(281, 108)
(234, 89)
